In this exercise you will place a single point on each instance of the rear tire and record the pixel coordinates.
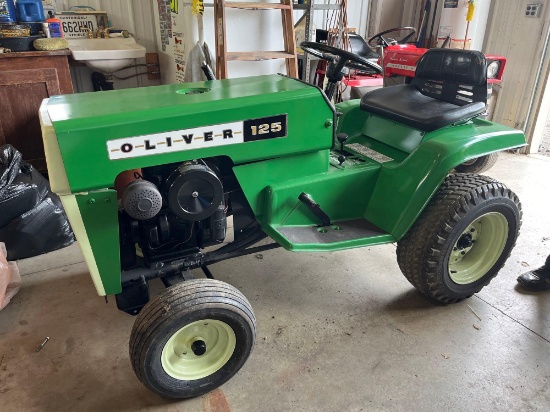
(478, 165)
(462, 239)
(192, 338)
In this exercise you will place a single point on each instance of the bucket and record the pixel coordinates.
(29, 11)
(7, 12)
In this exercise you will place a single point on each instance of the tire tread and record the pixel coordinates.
(178, 300)
(418, 252)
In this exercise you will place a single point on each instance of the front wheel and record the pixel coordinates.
(192, 338)
(462, 239)
(478, 165)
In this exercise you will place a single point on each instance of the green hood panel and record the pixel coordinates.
(85, 122)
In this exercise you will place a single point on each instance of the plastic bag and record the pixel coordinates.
(32, 219)
(10, 280)
(21, 187)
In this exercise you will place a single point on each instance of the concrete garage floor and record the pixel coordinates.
(338, 331)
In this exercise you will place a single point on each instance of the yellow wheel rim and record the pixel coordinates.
(198, 350)
(478, 248)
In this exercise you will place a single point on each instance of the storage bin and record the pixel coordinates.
(29, 10)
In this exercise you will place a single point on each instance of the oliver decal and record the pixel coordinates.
(198, 138)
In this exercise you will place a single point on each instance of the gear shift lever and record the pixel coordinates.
(342, 137)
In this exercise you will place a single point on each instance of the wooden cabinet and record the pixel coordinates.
(26, 78)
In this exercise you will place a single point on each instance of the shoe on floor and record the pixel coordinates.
(536, 281)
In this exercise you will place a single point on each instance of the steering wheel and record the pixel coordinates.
(340, 58)
(381, 40)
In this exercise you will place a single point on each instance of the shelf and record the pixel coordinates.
(255, 6)
(245, 5)
(258, 55)
(317, 6)
(45, 53)
(310, 9)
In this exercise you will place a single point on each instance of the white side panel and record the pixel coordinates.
(75, 218)
(56, 168)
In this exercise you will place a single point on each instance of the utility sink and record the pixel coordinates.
(106, 55)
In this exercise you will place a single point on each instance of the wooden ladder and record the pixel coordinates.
(223, 56)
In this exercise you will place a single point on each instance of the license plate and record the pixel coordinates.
(76, 26)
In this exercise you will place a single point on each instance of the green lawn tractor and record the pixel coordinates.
(149, 178)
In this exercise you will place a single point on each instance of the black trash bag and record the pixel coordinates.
(32, 219)
(22, 188)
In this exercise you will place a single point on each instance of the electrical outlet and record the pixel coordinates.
(533, 10)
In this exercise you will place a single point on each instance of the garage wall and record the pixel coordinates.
(387, 14)
(541, 109)
(358, 12)
(132, 15)
(247, 30)
(262, 32)
(521, 40)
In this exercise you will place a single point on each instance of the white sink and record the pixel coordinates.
(106, 55)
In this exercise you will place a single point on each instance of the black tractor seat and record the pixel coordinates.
(359, 46)
(450, 86)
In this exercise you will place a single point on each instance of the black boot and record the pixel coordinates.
(537, 280)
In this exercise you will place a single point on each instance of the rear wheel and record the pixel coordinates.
(478, 165)
(462, 239)
(192, 338)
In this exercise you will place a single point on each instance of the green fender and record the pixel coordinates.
(403, 190)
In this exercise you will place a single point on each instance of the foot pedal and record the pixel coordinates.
(308, 201)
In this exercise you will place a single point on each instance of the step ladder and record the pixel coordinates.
(223, 56)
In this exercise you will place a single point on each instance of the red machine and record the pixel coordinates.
(400, 62)
(399, 66)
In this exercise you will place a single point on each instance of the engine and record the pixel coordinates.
(171, 211)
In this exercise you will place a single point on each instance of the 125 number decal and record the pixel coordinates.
(266, 128)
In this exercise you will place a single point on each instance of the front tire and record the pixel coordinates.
(462, 239)
(478, 165)
(192, 338)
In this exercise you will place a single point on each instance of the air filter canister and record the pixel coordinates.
(194, 192)
(141, 200)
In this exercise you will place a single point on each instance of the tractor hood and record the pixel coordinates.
(91, 137)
